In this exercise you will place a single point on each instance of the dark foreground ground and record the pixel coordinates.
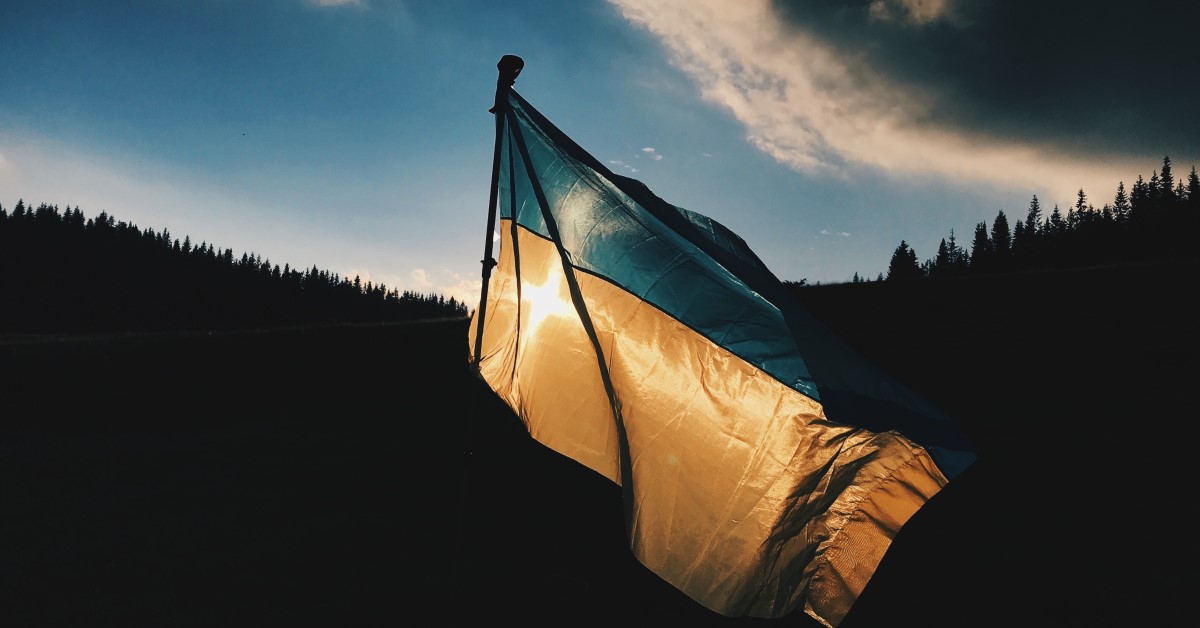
(360, 476)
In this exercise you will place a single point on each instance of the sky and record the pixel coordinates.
(354, 135)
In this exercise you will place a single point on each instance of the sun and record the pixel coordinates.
(545, 300)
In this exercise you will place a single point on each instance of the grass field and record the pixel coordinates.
(361, 476)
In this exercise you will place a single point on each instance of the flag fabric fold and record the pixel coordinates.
(765, 465)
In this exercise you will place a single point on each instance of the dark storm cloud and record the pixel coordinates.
(1118, 78)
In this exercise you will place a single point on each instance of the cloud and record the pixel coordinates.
(1012, 93)
(826, 232)
(653, 154)
(448, 284)
(463, 290)
(916, 11)
(620, 164)
(420, 280)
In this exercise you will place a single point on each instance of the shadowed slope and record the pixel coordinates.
(361, 474)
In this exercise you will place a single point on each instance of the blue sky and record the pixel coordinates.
(354, 135)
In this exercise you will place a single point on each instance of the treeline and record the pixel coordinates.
(1157, 219)
(62, 272)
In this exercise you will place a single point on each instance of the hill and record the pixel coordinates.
(360, 475)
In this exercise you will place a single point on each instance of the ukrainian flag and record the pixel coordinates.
(765, 465)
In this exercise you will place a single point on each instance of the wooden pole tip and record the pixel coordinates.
(509, 66)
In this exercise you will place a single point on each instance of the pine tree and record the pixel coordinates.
(1166, 182)
(1140, 193)
(981, 249)
(1193, 190)
(1055, 225)
(1121, 204)
(1001, 238)
(959, 260)
(1019, 244)
(941, 261)
(904, 264)
(1033, 218)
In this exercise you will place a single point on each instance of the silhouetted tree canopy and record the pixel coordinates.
(904, 264)
(60, 272)
(1153, 220)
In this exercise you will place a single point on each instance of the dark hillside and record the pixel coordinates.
(359, 475)
(1075, 384)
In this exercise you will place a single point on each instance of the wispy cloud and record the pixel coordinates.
(653, 154)
(464, 290)
(622, 165)
(423, 282)
(841, 234)
(420, 278)
(916, 11)
(830, 111)
(449, 284)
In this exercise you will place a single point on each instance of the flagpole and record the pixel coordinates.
(508, 68)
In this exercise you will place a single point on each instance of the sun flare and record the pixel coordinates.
(541, 301)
